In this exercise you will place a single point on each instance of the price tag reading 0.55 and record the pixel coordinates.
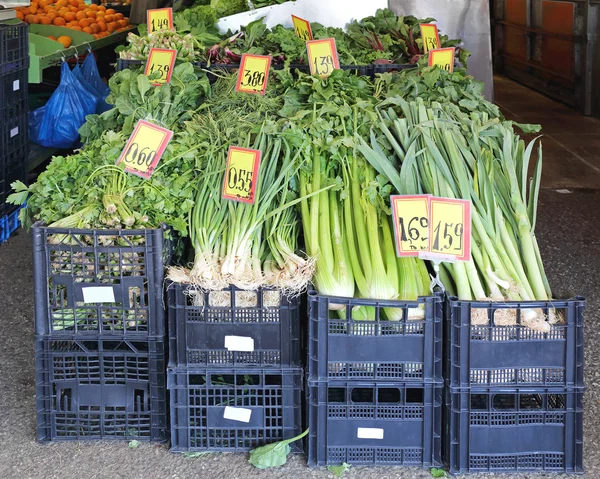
(302, 28)
(253, 74)
(144, 148)
(430, 37)
(323, 57)
(411, 223)
(161, 60)
(450, 228)
(443, 58)
(159, 19)
(241, 174)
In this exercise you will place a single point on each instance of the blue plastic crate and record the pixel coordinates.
(492, 354)
(9, 224)
(356, 349)
(501, 430)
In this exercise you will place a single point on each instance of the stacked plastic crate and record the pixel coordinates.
(100, 334)
(374, 394)
(14, 141)
(514, 396)
(234, 374)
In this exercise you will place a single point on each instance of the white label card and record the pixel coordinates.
(16, 85)
(98, 294)
(239, 343)
(237, 414)
(369, 433)
(14, 132)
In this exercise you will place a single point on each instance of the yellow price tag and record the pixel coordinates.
(443, 57)
(302, 28)
(144, 148)
(241, 174)
(411, 223)
(159, 19)
(450, 228)
(253, 74)
(161, 60)
(430, 37)
(323, 57)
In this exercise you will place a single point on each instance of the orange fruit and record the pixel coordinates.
(48, 8)
(123, 23)
(61, 3)
(76, 27)
(72, 24)
(119, 16)
(95, 28)
(74, 3)
(84, 22)
(100, 14)
(65, 40)
(102, 26)
(110, 28)
(101, 8)
(52, 37)
(80, 15)
(93, 7)
(69, 17)
(20, 15)
(96, 36)
(29, 18)
(45, 20)
(44, 3)
(59, 21)
(110, 11)
(51, 15)
(91, 14)
(87, 30)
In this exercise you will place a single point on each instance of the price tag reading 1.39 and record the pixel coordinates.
(443, 58)
(241, 174)
(411, 223)
(144, 148)
(253, 74)
(159, 19)
(450, 228)
(302, 28)
(430, 37)
(161, 60)
(323, 57)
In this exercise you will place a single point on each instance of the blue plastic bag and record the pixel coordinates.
(57, 123)
(89, 69)
(89, 88)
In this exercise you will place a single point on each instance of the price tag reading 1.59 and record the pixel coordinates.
(450, 228)
(323, 57)
(241, 174)
(302, 28)
(430, 37)
(144, 148)
(253, 74)
(161, 60)
(443, 58)
(411, 223)
(159, 19)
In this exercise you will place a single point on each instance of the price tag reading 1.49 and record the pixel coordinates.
(144, 148)
(443, 58)
(241, 174)
(323, 57)
(450, 228)
(411, 223)
(159, 19)
(302, 28)
(253, 74)
(161, 60)
(430, 37)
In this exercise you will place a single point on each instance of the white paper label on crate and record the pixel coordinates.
(16, 85)
(237, 414)
(239, 343)
(369, 433)
(98, 294)
(14, 131)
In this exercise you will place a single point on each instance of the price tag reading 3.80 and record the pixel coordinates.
(323, 57)
(161, 60)
(411, 223)
(302, 28)
(241, 174)
(159, 19)
(253, 74)
(443, 57)
(450, 228)
(430, 37)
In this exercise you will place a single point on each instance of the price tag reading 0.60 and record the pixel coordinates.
(241, 174)
(443, 57)
(161, 60)
(323, 57)
(159, 19)
(450, 227)
(302, 28)
(411, 223)
(144, 148)
(253, 74)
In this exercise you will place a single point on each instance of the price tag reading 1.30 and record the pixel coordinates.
(159, 19)
(144, 148)
(450, 228)
(443, 57)
(411, 223)
(253, 74)
(241, 174)
(323, 57)
(161, 60)
(430, 36)
(302, 28)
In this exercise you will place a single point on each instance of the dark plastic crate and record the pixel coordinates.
(9, 224)
(514, 355)
(100, 390)
(391, 67)
(501, 430)
(199, 328)
(14, 133)
(404, 350)
(14, 47)
(374, 423)
(199, 398)
(13, 94)
(127, 264)
(13, 167)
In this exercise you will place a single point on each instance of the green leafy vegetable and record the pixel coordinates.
(134, 444)
(339, 470)
(273, 455)
(435, 472)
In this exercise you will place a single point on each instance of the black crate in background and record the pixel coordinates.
(201, 398)
(200, 323)
(13, 167)
(14, 47)
(13, 94)
(100, 390)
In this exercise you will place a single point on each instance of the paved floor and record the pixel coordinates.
(568, 232)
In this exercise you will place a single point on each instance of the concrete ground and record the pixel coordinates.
(568, 231)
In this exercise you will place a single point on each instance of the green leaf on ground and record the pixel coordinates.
(435, 472)
(273, 455)
(134, 444)
(339, 470)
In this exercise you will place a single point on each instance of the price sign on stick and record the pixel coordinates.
(159, 19)
(442, 57)
(253, 74)
(302, 28)
(411, 223)
(430, 36)
(323, 57)
(161, 60)
(144, 148)
(241, 174)
(450, 228)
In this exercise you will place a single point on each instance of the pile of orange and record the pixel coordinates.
(96, 20)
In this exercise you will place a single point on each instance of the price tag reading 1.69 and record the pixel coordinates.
(302, 28)
(159, 19)
(430, 37)
(253, 74)
(442, 57)
(411, 223)
(450, 228)
(323, 57)
(144, 148)
(161, 60)
(241, 174)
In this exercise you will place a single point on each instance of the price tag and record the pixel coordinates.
(159, 19)
(161, 60)
(411, 223)
(98, 294)
(369, 433)
(241, 174)
(430, 36)
(443, 57)
(253, 74)
(323, 57)
(144, 148)
(450, 228)
(302, 28)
